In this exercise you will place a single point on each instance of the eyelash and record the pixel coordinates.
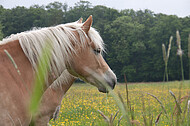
(97, 51)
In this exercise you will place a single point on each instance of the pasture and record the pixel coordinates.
(81, 103)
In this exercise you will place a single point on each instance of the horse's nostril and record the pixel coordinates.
(111, 78)
(112, 83)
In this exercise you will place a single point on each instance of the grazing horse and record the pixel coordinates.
(75, 47)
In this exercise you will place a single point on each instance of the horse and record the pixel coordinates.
(76, 48)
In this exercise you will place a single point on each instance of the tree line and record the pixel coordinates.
(133, 38)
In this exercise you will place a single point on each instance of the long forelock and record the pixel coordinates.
(32, 42)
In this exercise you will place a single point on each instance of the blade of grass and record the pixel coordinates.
(119, 120)
(163, 108)
(16, 67)
(143, 111)
(12, 60)
(157, 119)
(177, 103)
(40, 77)
(127, 92)
(180, 53)
(186, 106)
(128, 101)
(120, 104)
(104, 116)
(188, 114)
(115, 115)
(189, 53)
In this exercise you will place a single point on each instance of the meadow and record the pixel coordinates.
(81, 105)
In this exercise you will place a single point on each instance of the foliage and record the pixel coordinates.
(1, 34)
(133, 38)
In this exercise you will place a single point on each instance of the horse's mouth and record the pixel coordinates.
(102, 85)
(103, 90)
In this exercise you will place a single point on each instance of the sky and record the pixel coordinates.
(181, 8)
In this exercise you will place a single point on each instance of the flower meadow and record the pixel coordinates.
(82, 103)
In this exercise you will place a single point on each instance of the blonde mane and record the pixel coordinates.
(32, 43)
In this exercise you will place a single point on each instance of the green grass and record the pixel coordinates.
(81, 104)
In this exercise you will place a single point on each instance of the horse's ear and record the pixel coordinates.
(87, 24)
(80, 20)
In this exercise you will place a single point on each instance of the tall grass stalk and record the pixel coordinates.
(131, 109)
(16, 67)
(177, 102)
(189, 53)
(143, 111)
(157, 119)
(161, 104)
(188, 113)
(179, 111)
(118, 99)
(110, 120)
(180, 52)
(186, 107)
(127, 92)
(166, 57)
(12, 60)
(40, 77)
(120, 104)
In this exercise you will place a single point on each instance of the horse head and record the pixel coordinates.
(87, 62)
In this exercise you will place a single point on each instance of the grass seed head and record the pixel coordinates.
(178, 39)
(189, 46)
(164, 53)
(169, 47)
(180, 52)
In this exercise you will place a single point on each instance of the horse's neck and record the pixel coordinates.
(12, 57)
(53, 95)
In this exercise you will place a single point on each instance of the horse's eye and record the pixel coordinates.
(97, 51)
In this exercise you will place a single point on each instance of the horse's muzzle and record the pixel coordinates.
(110, 80)
(105, 90)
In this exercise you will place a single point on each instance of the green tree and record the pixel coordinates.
(103, 15)
(38, 15)
(125, 46)
(55, 13)
(164, 27)
(1, 34)
(21, 19)
(81, 9)
(2, 9)
(133, 38)
(15, 20)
